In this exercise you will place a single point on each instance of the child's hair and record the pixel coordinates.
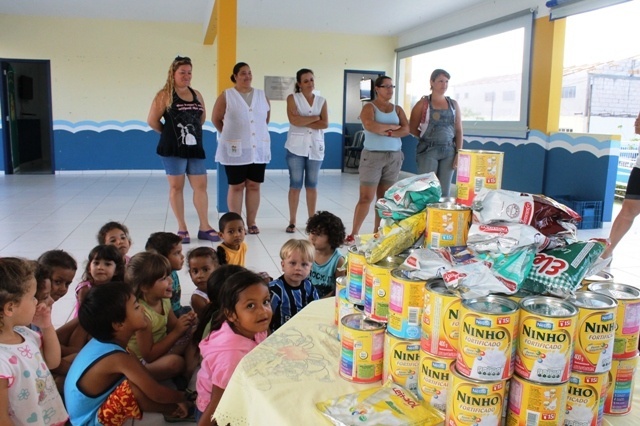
(97, 317)
(42, 273)
(162, 242)
(110, 226)
(58, 259)
(105, 252)
(327, 223)
(303, 246)
(203, 252)
(230, 294)
(214, 284)
(14, 274)
(222, 224)
(144, 269)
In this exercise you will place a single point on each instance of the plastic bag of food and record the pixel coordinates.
(427, 263)
(560, 271)
(504, 237)
(409, 196)
(473, 280)
(501, 205)
(389, 405)
(552, 218)
(392, 240)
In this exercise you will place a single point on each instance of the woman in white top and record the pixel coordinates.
(308, 117)
(241, 115)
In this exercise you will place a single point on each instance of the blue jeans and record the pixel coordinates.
(302, 168)
(438, 159)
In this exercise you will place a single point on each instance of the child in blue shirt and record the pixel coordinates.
(326, 232)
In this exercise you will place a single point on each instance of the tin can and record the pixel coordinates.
(377, 280)
(518, 295)
(474, 402)
(532, 403)
(625, 344)
(545, 344)
(477, 170)
(340, 285)
(401, 361)
(362, 347)
(488, 327)
(405, 306)
(447, 225)
(593, 349)
(620, 386)
(586, 393)
(600, 277)
(433, 379)
(440, 320)
(355, 275)
(345, 307)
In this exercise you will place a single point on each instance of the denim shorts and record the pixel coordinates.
(301, 167)
(176, 166)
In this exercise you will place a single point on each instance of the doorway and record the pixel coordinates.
(351, 107)
(27, 124)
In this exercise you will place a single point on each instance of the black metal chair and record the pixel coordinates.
(353, 151)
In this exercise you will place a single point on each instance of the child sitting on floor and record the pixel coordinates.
(161, 344)
(326, 233)
(116, 234)
(106, 384)
(239, 323)
(104, 264)
(170, 246)
(202, 261)
(233, 249)
(28, 394)
(63, 269)
(293, 290)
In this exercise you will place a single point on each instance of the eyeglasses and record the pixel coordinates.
(182, 59)
(388, 86)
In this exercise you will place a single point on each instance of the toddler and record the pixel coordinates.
(104, 264)
(170, 246)
(63, 269)
(293, 290)
(233, 249)
(106, 384)
(116, 234)
(28, 394)
(162, 342)
(202, 262)
(239, 323)
(326, 233)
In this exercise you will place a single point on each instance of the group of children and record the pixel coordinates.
(129, 331)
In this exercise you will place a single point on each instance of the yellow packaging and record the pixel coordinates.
(625, 344)
(473, 402)
(447, 225)
(586, 393)
(340, 284)
(620, 386)
(593, 349)
(377, 278)
(545, 344)
(401, 361)
(433, 379)
(405, 306)
(488, 326)
(477, 170)
(440, 320)
(355, 275)
(362, 346)
(540, 404)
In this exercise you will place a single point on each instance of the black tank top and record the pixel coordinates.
(182, 132)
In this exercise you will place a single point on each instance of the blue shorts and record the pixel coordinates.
(176, 166)
(301, 167)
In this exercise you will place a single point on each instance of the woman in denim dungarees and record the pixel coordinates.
(439, 143)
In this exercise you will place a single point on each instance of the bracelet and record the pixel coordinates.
(389, 132)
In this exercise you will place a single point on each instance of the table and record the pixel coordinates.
(280, 381)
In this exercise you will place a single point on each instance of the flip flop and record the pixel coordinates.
(210, 235)
(253, 230)
(185, 236)
(290, 229)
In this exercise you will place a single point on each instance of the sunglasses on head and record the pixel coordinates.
(182, 59)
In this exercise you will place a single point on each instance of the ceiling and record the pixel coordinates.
(369, 17)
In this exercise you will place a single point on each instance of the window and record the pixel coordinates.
(484, 62)
(569, 92)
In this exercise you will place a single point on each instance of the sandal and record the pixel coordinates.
(290, 229)
(253, 230)
(186, 239)
(210, 235)
(350, 240)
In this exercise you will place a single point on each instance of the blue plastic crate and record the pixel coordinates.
(591, 211)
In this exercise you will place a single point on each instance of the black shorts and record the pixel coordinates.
(239, 174)
(633, 186)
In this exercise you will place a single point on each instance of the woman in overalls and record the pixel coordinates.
(435, 120)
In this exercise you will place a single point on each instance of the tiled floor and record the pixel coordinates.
(43, 212)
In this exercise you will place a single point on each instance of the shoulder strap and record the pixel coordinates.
(425, 108)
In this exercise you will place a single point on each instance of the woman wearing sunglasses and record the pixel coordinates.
(178, 113)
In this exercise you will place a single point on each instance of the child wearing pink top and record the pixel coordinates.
(239, 323)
